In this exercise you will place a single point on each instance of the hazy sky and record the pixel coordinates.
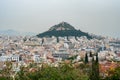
(101, 17)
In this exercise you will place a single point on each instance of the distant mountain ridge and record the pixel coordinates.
(63, 29)
(11, 32)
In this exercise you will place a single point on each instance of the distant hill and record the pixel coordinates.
(11, 32)
(63, 29)
(62, 26)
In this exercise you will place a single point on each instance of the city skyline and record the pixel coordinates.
(92, 16)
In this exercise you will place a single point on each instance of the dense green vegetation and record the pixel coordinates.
(63, 33)
(45, 72)
(68, 30)
(65, 72)
(64, 25)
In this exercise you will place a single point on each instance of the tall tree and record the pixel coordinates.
(90, 54)
(94, 75)
(42, 41)
(86, 58)
(57, 40)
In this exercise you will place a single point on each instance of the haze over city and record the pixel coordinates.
(99, 17)
(59, 39)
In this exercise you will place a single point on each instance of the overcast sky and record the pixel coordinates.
(101, 17)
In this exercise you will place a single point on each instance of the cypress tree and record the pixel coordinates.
(76, 38)
(90, 54)
(97, 66)
(94, 75)
(57, 40)
(97, 61)
(42, 40)
(86, 58)
(67, 38)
